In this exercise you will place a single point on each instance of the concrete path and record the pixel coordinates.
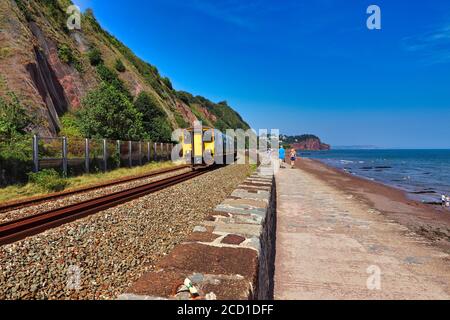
(330, 246)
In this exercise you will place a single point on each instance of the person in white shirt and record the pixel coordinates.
(444, 200)
(447, 202)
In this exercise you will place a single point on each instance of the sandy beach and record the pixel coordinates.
(431, 222)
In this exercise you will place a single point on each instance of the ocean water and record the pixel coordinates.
(423, 174)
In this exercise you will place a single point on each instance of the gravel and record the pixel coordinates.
(112, 249)
(65, 201)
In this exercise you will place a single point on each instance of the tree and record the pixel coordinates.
(13, 118)
(186, 97)
(110, 77)
(95, 57)
(154, 118)
(107, 113)
(15, 141)
(167, 82)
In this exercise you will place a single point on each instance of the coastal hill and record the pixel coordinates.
(51, 70)
(306, 142)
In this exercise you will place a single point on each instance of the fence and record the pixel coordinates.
(76, 156)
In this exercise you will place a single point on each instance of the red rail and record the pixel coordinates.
(35, 200)
(20, 229)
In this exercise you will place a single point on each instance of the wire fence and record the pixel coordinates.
(77, 156)
(15, 164)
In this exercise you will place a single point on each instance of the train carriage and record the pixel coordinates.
(206, 146)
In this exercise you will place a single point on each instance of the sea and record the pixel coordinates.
(423, 174)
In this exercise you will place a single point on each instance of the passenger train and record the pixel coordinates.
(206, 146)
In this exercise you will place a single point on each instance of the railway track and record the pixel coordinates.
(37, 200)
(13, 231)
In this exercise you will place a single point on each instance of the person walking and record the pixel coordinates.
(282, 156)
(293, 158)
(443, 200)
(447, 201)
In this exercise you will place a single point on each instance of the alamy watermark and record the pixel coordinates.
(73, 278)
(374, 279)
(374, 20)
(229, 147)
(74, 20)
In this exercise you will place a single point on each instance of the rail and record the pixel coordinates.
(16, 230)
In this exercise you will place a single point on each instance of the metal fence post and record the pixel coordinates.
(105, 156)
(130, 155)
(118, 153)
(87, 156)
(64, 151)
(155, 149)
(162, 151)
(36, 153)
(148, 151)
(140, 153)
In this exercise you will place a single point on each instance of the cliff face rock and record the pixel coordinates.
(311, 145)
(186, 112)
(32, 33)
(307, 142)
(19, 69)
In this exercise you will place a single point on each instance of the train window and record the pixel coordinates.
(187, 137)
(208, 135)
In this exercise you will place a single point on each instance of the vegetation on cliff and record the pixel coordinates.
(78, 64)
(82, 83)
(304, 142)
(15, 141)
(108, 113)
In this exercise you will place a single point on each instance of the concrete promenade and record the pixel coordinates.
(330, 246)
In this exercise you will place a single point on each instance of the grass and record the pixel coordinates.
(5, 53)
(253, 168)
(18, 192)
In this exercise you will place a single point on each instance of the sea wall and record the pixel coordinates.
(229, 256)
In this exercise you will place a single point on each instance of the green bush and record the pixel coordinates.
(66, 55)
(14, 118)
(120, 67)
(70, 126)
(24, 8)
(167, 82)
(186, 97)
(95, 57)
(111, 78)
(48, 180)
(183, 124)
(154, 118)
(108, 113)
(15, 142)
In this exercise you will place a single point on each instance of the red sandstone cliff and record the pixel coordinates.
(311, 144)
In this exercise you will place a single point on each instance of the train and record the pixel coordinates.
(207, 146)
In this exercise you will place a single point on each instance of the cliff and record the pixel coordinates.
(306, 142)
(50, 68)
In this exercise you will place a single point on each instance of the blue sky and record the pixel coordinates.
(303, 66)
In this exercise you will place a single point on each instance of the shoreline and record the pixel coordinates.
(429, 221)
